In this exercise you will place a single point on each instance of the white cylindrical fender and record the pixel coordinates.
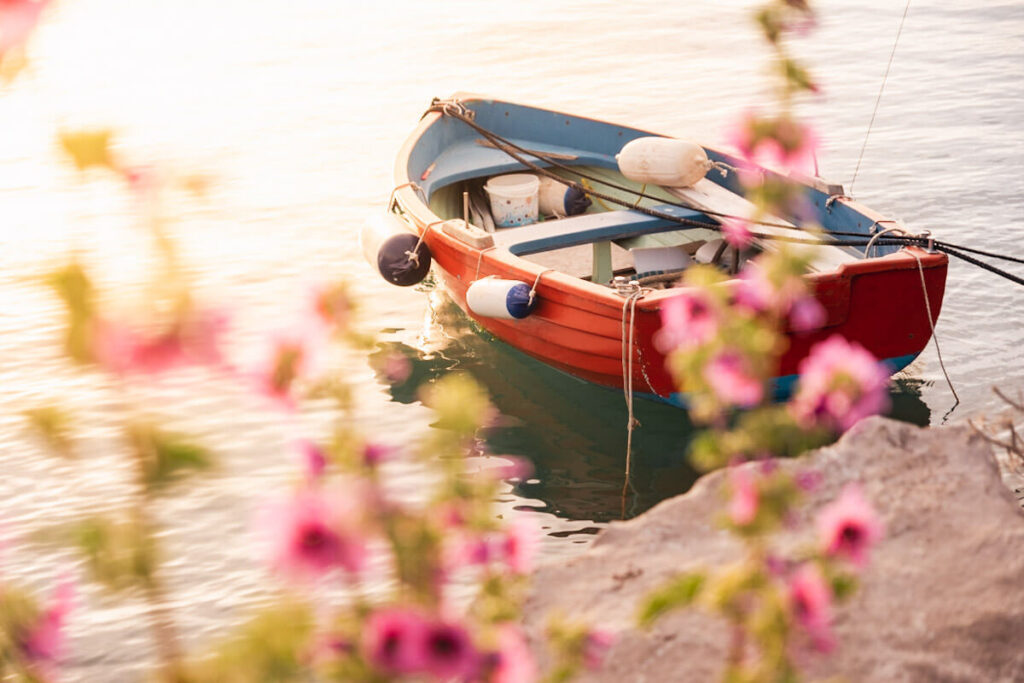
(561, 200)
(387, 242)
(494, 297)
(663, 161)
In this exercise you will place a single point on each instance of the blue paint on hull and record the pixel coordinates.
(782, 387)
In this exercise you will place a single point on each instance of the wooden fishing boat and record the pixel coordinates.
(578, 268)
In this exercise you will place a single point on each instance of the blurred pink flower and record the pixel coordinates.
(193, 339)
(18, 18)
(315, 531)
(448, 651)
(810, 598)
(515, 660)
(375, 453)
(744, 499)
(595, 647)
(520, 545)
(314, 459)
(780, 144)
(687, 320)
(840, 383)
(43, 642)
(806, 314)
(292, 355)
(394, 641)
(331, 307)
(736, 232)
(397, 368)
(728, 375)
(849, 526)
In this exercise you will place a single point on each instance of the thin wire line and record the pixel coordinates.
(878, 100)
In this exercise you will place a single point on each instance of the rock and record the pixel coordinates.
(942, 599)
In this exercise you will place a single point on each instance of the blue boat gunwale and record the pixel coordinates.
(595, 142)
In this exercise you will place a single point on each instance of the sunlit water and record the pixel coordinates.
(296, 111)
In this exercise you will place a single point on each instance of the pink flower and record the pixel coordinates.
(806, 314)
(313, 533)
(448, 651)
(778, 143)
(596, 646)
(744, 499)
(849, 526)
(810, 598)
(331, 307)
(193, 339)
(44, 640)
(18, 18)
(515, 661)
(397, 368)
(687, 320)
(292, 356)
(374, 454)
(314, 459)
(840, 383)
(394, 641)
(520, 545)
(728, 375)
(736, 232)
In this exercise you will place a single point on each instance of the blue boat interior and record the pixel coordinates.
(450, 158)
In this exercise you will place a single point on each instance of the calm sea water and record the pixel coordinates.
(296, 110)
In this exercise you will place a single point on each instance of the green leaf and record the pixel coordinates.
(53, 424)
(460, 403)
(73, 285)
(165, 456)
(121, 555)
(680, 592)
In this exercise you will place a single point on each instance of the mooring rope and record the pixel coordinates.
(878, 100)
(533, 290)
(931, 323)
(628, 341)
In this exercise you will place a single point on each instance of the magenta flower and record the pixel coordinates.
(596, 646)
(687, 320)
(397, 368)
(520, 545)
(745, 498)
(849, 526)
(44, 640)
(728, 375)
(394, 641)
(292, 356)
(810, 598)
(448, 651)
(374, 454)
(736, 232)
(840, 384)
(331, 307)
(312, 533)
(515, 662)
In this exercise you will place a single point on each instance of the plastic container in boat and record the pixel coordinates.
(560, 200)
(514, 199)
(663, 161)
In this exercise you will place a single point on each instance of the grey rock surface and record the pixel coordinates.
(942, 599)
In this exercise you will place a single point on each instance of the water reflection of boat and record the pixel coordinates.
(575, 439)
(577, 325)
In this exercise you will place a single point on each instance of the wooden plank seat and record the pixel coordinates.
(594, 227)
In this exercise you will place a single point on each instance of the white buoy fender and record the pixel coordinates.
(561, 200)
(387, 243)
(493, 297)
(663, 161)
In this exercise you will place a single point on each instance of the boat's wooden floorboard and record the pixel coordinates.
(577, 261)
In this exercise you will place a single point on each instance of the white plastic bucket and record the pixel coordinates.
(513, 199)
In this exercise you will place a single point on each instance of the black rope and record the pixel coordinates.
(459, 112)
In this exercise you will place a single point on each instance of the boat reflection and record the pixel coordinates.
(573, 432)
